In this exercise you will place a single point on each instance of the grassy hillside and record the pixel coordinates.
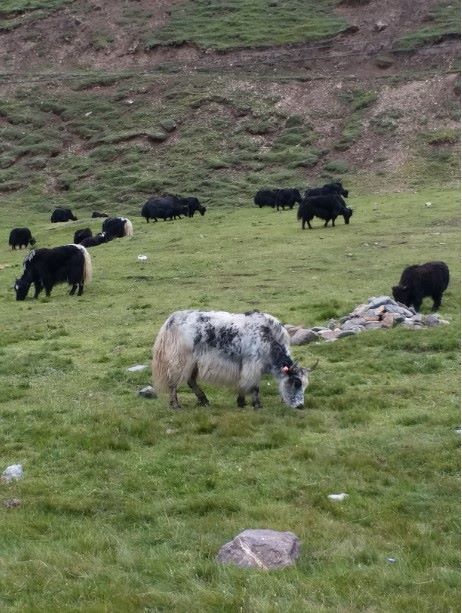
(109, 141)
(124, 503)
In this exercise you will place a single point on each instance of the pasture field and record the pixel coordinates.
(124, 503)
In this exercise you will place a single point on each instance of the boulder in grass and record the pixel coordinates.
(263, 549)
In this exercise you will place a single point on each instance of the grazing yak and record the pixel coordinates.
(165, 207)
(117, 227)
(279, 198)
(266, 197)
(79, 235)
(326, 189)
(287, 197)
(419, 281)
(62, 215)
(194, 205)
(47, 267)
(98, 214)
(327, 207)
(98, 239)
(21, 237)
(226, 348)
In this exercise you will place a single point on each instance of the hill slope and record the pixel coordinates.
(371, 93)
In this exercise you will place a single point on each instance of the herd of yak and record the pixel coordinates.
(72, 264)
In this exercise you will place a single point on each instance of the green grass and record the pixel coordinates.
(240, 23)
(443, 21)
(125, 503)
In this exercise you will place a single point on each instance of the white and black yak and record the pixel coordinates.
(47, 267)
(420, 280)
(117, 227)
(226, 348)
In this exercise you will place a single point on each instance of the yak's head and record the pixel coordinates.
(347, 214)
(21, 287)
(401, 294)
(202, 209)
(293, 382)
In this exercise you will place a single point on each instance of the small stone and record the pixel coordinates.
(304, 336)
(376, 302)
(262, 549)
(319, 329)
(338, 497)
(388, 320)
(147, 392)
(360, 309)
(292, 329)
(353, 323)
(373, 325)
(379, 26)
(391, 560)
(12, 503)
(12, 473)
(329, 335)
(350, 332)
(431, 320)
(137, 368)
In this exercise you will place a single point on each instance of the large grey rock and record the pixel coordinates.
(303, 336)
(263, 549)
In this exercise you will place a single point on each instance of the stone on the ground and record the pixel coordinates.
(303, 336)
(147, 392)
(12, 503)
(137, 368)
(263, 549)
(12, 473)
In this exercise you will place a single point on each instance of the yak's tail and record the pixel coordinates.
(87, 267)
(128, 228)
(299, 212)
(171, 358)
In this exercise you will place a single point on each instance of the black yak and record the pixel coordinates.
(47, 267)
(327, 207)
(60, 214)
(21, 237)
(79, 235)
(421, 280)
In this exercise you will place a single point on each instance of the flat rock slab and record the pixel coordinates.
(263, 549)
(303, 336)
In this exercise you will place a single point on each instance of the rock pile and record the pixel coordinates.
(381, 312)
